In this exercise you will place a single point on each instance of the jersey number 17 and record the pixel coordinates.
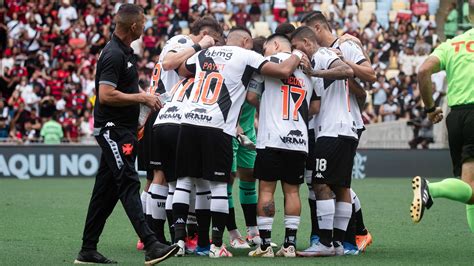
(291, 90)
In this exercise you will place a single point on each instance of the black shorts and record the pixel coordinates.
(460, 124)
(311, 160)
(144, 145)
(334, 161)
(163, 155)
(204, 152)
(274, 164)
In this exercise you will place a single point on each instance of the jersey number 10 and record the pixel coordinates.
(203, 91)
(287, 91)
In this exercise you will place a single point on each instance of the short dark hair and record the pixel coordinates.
(240, 28)
(278, 36)
(127, 14)
(205, 22)
(302, 33)
(313, 17)
(285, 28)
(258, 44)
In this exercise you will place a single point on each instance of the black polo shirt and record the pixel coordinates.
(117, 67)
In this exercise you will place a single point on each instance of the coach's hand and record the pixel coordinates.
(150, 100)
(206, 42)
(436, 116)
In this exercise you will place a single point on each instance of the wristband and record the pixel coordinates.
(430, 110)
(197, 47)
(298, 53)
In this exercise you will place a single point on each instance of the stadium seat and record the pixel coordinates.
(368, 6)
(392, 15)
(364, 17)
(399, 5)
(262, 28)
(383, 6)
(324, 8)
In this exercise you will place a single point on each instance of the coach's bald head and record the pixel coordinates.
(241, 37)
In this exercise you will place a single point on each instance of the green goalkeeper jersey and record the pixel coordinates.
(247, 119)
(456, 56)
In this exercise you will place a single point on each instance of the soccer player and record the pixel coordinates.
(204, 32)
(115, 125)
(352, 53)
(281, 147)
(209, 122)
(336, 138)
(455, 57)
(242, 167)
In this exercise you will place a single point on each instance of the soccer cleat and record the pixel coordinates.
(191, 243)
(350, 249)
(273, 245)
(181, 248)
(254, 240)
(267, 253)
(339, 249)
(313, 240)
(239, 243)
(140, 245)
(202, 251)
(363, 241)
(289, 252)
(421, 198)
(219, 252)
(318, 250)
(158, 252)
(92, 257)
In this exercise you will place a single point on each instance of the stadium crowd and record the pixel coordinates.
(49, 50)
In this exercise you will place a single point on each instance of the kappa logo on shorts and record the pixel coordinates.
(319, 175)
(127, 149)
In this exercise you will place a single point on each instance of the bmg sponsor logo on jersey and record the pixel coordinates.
(227, 55)
(199, 114)
(171, 113)
(294, 137)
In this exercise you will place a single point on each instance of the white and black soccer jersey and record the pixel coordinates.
(222, 76)
(163, 80)
(352, 52)
(334, 118)
(283, 117)
(172, 112)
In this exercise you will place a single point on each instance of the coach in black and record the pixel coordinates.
(115, 120)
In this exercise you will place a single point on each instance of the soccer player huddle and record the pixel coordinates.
(304, 83)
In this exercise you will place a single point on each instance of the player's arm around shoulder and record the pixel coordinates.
(330, 66)
(284, 69)
(174, 59)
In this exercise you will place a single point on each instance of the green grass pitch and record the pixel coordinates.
(41, 223)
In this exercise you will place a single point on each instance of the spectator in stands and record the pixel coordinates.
(390, 110)
(4, 128)
(240, 17)
(406, 59)
(218, 9)
(451, 24)
(422, 132)
(67, 14)
(197, 10)
(163, 12)
(336, 11)
(380, 91)
(52, 132)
